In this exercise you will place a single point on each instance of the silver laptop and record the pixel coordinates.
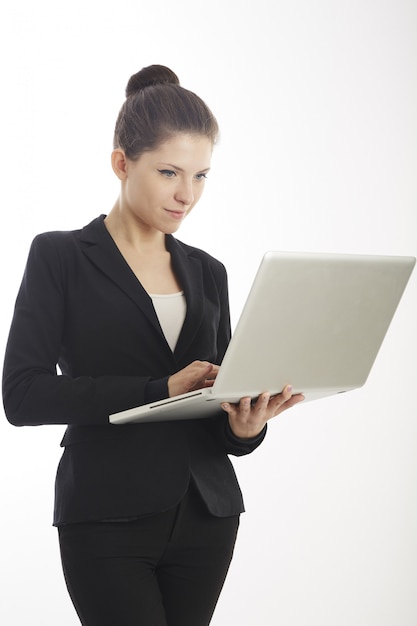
(315, 321)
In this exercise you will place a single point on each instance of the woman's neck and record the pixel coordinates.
(127, 230)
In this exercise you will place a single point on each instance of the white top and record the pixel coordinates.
(170, 309)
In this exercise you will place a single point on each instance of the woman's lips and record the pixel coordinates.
(177, 215)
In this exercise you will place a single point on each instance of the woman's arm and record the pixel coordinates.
(33, 392)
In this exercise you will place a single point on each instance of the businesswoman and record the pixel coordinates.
(117, 314)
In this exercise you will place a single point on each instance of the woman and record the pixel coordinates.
(147, 514)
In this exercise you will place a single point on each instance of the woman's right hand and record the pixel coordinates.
(197, 375)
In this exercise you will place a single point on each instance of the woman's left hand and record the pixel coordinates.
(247, 418)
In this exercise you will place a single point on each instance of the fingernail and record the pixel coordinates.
(289, 388)
(225, 406)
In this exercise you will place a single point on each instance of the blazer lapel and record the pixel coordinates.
(98, 245)
(190, 274)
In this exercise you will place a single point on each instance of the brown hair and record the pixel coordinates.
(157, 107)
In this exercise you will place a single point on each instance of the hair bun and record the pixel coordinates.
(152, 75)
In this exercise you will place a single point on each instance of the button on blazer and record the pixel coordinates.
(85, 342)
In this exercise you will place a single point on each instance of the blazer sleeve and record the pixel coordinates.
(33, 391)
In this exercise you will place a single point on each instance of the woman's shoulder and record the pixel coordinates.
(65, 240)
(54, 238)
(62, 236)
(58, 249)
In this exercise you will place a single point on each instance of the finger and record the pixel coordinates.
(262, 402)
(245, 405)
(203, 367)
(298, 397)
(286, 393)
(278, 404)
(241, 408)
(200, 371)
(212, 375)
(229, 408)
(282, 397)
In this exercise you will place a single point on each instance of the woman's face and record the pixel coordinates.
(163, 185)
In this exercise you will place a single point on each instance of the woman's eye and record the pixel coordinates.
(167, 173)
(201, 176)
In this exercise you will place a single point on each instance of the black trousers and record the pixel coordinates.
(166, 569)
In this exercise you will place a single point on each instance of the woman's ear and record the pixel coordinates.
(119, 163)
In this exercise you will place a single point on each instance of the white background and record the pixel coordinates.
(317, 103)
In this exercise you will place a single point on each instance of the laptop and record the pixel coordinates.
(313, 320)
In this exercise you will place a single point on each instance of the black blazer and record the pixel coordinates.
(80, 306)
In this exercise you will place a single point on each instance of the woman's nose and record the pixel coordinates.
(185, 193)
